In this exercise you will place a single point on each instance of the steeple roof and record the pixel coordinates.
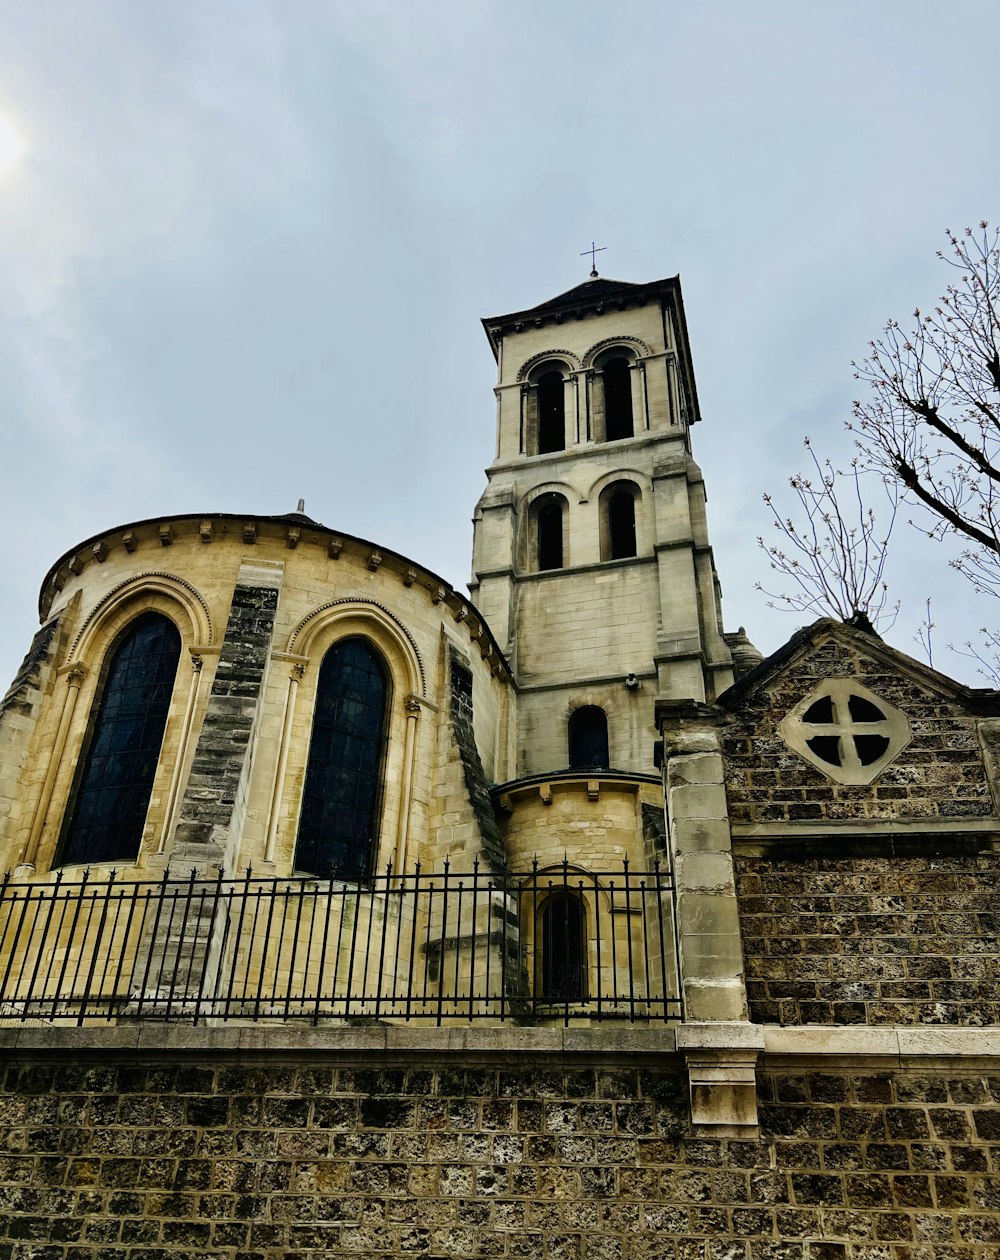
(592, 290)
(591, 297)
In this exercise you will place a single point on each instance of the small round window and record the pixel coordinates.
(846, 731)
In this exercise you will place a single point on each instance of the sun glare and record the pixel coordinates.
(11, 144)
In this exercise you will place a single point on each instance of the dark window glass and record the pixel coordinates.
(564, 946)
(870, 748)
(111, 795)
(863, 710)
(617, 399)
(550, 536)
(551, 413)
(820, 710)
(826, 747)
(621, 525)
(341, 797)
(588, 739)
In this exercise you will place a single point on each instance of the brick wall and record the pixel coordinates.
(871, 940)
(553, 1158)
(939, 775)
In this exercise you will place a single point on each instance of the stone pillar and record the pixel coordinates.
(719, 1043)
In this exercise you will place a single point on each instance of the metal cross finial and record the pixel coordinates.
(593, 252)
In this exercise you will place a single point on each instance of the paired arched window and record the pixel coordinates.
(617, 399)
(110, 797)
(338, 823)
(588, 739)
(551, 402)
(563, 931)
(618, 523)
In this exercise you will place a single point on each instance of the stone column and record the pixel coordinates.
(719, 1043)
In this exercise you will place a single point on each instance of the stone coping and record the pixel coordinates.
(894, 1046)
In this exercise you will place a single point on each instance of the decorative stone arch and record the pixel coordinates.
(600, 484)
(341, 618)
(564, 358)
(182, 602)
(631, 345)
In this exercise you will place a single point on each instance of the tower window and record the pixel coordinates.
(621, 525)
(588, 739)
(617, 400)
(564, 948)
(551, 413)
(110, 798)
(340, 802)
(549, 527)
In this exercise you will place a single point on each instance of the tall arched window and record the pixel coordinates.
(549, 531)
(621, 525)
(110, 797)
(588, 739)
(617, 400)
(564, 948)
(551, 413)
(341, 798)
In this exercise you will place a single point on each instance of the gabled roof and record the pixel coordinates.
(981, 700)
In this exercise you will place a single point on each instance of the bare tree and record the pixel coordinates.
(931, 422)
(835, 555)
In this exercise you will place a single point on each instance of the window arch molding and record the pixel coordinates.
(528, 509)
(308, 645)
(82, 678)
(179, 600)
(532, 368)
(547, 404)
(605, 490)
(629, 347)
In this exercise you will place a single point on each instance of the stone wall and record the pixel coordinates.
(566, 1155)
(940, 774)
(871, 940)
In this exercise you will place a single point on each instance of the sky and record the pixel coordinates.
(246, 249)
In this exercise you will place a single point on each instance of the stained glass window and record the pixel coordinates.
(340, 802)
(110, 798)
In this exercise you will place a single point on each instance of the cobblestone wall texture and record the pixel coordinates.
(871, 940)
(940, 774)
(548, 1162)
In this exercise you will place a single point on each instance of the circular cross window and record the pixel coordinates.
(846, 731)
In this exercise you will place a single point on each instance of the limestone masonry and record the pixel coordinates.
(350, 915)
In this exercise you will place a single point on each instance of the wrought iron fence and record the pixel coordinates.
(446, 946)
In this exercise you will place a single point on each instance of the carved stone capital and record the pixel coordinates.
(75, 675)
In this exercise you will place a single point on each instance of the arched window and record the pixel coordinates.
(588, 739)
(621, 525)
(551, 413)
(617, 400)
(549, 531)
(342, 794)
(110, 797)
(564, 948)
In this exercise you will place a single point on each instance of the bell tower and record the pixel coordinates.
(591, 560)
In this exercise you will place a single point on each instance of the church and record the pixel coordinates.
(350, 914)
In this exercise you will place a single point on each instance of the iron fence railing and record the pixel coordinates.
(445, 946)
